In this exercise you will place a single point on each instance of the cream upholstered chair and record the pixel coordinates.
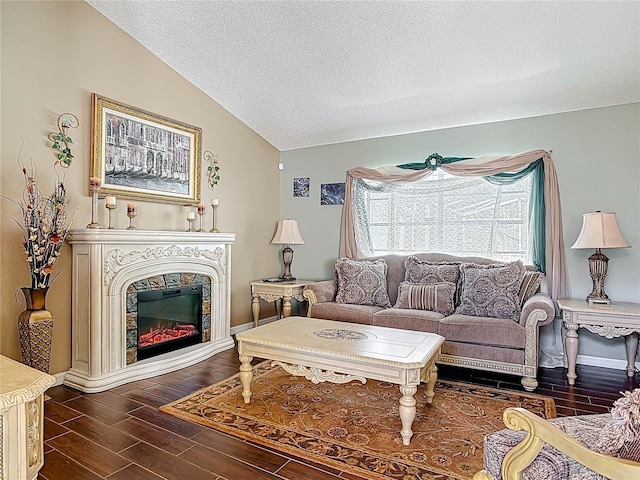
(585, 447)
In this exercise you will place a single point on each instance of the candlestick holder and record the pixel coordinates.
(190, 229)
(94, 210)
(131, 214)
(201, 229)
(214, 228)
(111, 208)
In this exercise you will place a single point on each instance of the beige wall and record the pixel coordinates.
(54, 54)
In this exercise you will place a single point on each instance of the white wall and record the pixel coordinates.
(597, 157)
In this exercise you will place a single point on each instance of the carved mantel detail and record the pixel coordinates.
(115, 259)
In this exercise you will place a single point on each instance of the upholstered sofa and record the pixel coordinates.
(508, 345)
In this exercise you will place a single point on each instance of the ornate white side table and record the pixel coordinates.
(276, 292)
(21, 419)
(620, 319)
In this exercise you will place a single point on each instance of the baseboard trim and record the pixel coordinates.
(59, 378)
(604, 362)
(249, 325)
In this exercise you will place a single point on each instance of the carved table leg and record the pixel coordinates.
(278, 308)
(286, 307)
(631, 344)
(563, 330)
(255, 308)
(431, 377)
(571, 345)
(246, 375)
(407, 411)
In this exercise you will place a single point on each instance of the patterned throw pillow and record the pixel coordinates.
(491, 290)
(362, 282)
(621, 436)
(422, 271)
(529, 286)
(436, 297)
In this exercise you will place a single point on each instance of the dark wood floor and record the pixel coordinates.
(120, 434)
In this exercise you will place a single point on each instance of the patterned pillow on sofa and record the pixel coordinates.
(491, 290)
(436, 297)
(423, 271)
(362, 282)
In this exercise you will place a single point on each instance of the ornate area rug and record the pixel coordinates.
(356, 427)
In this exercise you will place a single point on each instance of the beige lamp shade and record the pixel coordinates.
(600, 230)
(287, 233)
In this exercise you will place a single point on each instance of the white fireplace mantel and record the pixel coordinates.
(105, 263)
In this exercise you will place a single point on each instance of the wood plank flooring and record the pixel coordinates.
(121, 435)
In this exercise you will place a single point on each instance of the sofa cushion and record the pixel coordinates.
(423, 271)
(529, 286)
(345, 312)
(437, 297)
(491, 290)
(501, 332)
(621, 436)
(417, 320)
(362, 282)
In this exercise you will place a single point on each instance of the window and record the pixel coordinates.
(457, 215)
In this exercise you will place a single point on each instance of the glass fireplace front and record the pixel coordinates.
(169, 319)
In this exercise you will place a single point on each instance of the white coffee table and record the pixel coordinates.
(339, 352)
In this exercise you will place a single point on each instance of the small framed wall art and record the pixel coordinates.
(332, 194)
(144, 156)
(301, 187)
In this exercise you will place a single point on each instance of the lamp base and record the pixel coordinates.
(287, 259)
(598, 264)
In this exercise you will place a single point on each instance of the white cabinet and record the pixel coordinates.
(21, 419)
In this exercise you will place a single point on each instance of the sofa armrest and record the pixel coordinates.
(539, 432)
(539, 309)
(324, 291)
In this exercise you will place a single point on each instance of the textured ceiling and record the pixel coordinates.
(304, 73)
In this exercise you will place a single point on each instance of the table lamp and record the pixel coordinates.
(287, 234)
(599, 230)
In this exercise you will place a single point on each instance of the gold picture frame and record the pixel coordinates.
(140, 155)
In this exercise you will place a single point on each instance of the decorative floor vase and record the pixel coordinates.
(35, 326)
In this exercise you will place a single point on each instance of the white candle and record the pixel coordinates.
(200, 208)
(191, 215)
(110, 200)
(215, 202)
(131, 209)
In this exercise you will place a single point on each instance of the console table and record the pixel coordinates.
(620, 319)
(276, 292)
(21, 419)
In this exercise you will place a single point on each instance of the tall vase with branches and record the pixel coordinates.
(45, 218)
(45, 223)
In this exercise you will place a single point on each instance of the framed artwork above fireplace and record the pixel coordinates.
(144, 156)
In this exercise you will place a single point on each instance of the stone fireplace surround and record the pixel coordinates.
(105, 265)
